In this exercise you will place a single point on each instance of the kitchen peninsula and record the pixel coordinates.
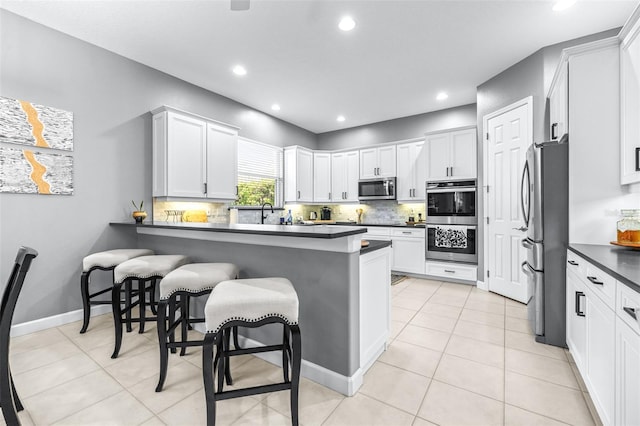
(344, 292)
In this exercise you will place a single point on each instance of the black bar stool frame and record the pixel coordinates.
(291, 357)
(85, 279)
(9, 400)
(129, 304)
(167, 325)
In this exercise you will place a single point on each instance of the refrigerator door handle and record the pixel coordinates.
(525, 268)
(526, 244)
(525, 214)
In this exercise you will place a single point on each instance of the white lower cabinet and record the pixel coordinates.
(407, 247)
(375, 305)
(627, 375)
(603, 336)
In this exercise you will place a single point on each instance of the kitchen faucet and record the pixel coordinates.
(262, 216)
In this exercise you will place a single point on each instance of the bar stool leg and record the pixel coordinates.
(221, 361)
(117, 315)
(285, 353)
(184, 321)
(295, 372)
(16, 399)
(127, 303)
(227, 363)
(84, 290)
(207, 371)
(172, 318)
(152, 297)
(162, 339)
(142, 296)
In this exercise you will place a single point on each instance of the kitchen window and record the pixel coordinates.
(259, 174)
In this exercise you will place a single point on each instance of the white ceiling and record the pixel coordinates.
(399, 56)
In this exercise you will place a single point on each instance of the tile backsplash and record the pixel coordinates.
(373, 212)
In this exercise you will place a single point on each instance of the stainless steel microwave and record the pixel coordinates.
(377, 189)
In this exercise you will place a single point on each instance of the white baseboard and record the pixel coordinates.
(345, 385)
(482, 285)
(55, 320)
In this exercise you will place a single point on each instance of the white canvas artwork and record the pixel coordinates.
(25, 171)
(24, 123)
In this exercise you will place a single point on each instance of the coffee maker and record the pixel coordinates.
(325, 213)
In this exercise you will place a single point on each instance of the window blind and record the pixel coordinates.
(259, 173)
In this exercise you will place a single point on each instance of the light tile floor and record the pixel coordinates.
(457, 356)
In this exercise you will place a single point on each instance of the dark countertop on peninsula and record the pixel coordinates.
(311, 231)
(374, 245)
(620, 262)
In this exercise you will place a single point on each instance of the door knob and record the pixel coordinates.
(522, 228)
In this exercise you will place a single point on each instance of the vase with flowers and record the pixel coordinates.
(138, 214)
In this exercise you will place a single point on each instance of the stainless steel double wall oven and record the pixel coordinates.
(452, 220)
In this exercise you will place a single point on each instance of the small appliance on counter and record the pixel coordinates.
(313, 216)
(325, 213)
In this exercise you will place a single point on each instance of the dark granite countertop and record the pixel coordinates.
(385, 225)
(374, 245)
(620, 262)
(314, 231)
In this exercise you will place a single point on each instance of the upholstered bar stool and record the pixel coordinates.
(105, 261)
(145, 270)
(250, 303)
(176, 290)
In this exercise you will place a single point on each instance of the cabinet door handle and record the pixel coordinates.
(205, 187)
(329, 195)
(637, 159)
(630, 311)
(237, 190)
(571, 262)
(578, 310)
(451, 174)
(450, 271)
(344, 196)
(298, 195)
(595, 281)
(554, 131)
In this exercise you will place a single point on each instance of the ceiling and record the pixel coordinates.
(393, 64)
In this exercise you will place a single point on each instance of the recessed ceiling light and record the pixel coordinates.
(442, 96)
(275, 107)
(239, 70)
(347, 23)
(563, 4)
(340, 118)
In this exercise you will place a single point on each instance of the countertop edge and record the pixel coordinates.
(374, 245)
(629, 282)
(293, 234)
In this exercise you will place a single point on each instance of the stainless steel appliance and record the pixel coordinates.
(452, 202)
(325, 213)
(451, 221)
(545, 207)
(377, 189)
(451, 242)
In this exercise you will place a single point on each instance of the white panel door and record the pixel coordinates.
(405, 181)
(387, 161)
(222, 163)
(339, 176)
(322, 177)
(304, 160)
(368, 163)
(186, 162)
(352, 175)
(463, 154)
(437, 153)
(509, 137)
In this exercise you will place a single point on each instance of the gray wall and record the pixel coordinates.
(414, 126)
(110, 97)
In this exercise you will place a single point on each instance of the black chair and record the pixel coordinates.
(9, 401)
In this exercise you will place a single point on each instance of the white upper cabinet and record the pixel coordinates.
(322, 177)
(345, 169)
(298, 174)
(378, 162)
(193, 157)
(559, 103)
(630, 102)
(451, 155)
(411, 167)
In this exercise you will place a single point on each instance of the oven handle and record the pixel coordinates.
(433, 225)
(458, 189)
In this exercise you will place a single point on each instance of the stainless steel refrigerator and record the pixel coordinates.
(545, 208)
